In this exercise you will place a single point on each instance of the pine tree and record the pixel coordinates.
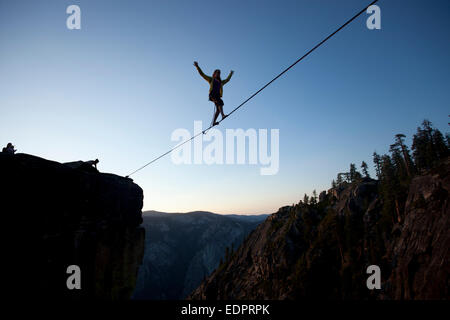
(441, 147)
(400, 143)
(353, 175)
(377, 162)
(428, 146)
(306, 199)
(339, 179)
(352, 172)
(400, 168)
(364, 168)
(313, 199)
(419, 149)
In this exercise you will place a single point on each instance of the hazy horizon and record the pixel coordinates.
(202, 211)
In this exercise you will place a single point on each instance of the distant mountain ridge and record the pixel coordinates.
(181, 249)
(248, 217)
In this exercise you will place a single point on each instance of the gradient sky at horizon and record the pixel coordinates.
(118, 88)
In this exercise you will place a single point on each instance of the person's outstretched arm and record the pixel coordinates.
(204, 76)
(228, 78)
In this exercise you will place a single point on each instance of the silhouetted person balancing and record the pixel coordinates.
(9, 149)
(215, 90)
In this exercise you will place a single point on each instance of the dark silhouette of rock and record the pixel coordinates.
(54, 216)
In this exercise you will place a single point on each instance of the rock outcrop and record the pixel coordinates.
(322, 251)
(420, 254)
(55, 216)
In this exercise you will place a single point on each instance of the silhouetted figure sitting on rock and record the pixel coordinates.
(9, 149)
(93, 163)
(89, 166)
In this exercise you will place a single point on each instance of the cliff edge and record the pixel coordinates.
(55, 216)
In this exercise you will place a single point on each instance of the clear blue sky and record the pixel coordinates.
(117, 88)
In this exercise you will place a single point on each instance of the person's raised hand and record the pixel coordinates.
(196, 64)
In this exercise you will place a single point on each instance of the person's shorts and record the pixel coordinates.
(217, 100)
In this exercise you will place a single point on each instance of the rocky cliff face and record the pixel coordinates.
(182, 249)
(420, 252)
(55, 216)
(323, 250)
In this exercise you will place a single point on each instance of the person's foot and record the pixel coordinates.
(224, 116)
(215, 123)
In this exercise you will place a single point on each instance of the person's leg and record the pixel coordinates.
(216, 115)
(221, 109)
